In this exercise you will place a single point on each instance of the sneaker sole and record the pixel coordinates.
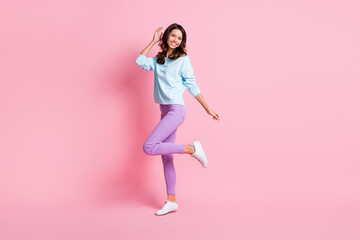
(166, 213)
(205, 163)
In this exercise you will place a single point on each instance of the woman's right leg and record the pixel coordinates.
(172, 117)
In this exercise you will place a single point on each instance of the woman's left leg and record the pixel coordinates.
(169, 169)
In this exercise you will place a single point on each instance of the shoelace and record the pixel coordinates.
(165, 203)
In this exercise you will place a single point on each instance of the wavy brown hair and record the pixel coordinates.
(178, 52)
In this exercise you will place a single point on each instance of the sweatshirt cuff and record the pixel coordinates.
(140, 59)
(195, 92)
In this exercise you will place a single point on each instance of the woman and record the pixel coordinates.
(173, 73)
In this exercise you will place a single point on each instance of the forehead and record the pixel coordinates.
(177, 32)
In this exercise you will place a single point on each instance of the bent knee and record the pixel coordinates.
(148, 148)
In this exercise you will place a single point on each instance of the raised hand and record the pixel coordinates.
(157, 35)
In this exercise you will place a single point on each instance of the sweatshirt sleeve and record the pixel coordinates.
(145, 62)
(188, 78)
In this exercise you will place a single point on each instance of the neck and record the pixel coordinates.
(169, 53)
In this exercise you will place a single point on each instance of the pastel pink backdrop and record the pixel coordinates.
(76, 109)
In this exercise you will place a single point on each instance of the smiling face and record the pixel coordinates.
(174, 39)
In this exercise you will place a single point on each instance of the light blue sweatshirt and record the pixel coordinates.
(170, 78)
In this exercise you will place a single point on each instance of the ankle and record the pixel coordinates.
(189, 149)
(171, 197)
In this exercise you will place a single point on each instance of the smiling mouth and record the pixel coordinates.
(173, 44)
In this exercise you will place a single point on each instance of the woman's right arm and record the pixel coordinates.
(156, 38)
(142, 60)
(148, 48)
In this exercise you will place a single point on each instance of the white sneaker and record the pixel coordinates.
(199, 153)
(168, 207)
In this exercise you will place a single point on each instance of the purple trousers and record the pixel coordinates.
(162, 141)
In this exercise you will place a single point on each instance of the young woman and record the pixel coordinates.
(173, 73)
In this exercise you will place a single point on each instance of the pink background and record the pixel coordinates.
(76, 109)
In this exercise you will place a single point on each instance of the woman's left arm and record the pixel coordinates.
(187, 74)
(203, 103)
